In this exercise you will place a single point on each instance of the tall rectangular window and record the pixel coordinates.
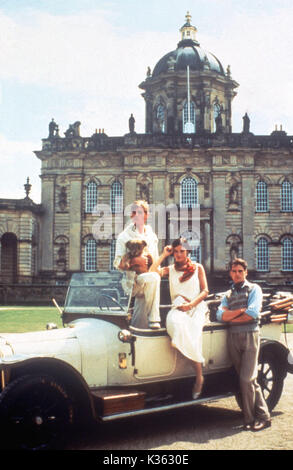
(91, 196)
(189, 193)
(262, 204)
(116, 198)
(262, 255)
(112, 254)
(287, 197)
(91, 256)
(287, 254)
(188, 120)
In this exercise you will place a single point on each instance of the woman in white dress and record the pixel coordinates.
(188, 289)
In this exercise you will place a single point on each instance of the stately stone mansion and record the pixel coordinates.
(188, 156)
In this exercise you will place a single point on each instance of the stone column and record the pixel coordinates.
(159, 204)
(207, 246)
(129, 191)
(75, 223)
(24, 259)
(219, 213)
(159, 185)
(248, 210)
(47, 222)
(148, 113)
(207, 110)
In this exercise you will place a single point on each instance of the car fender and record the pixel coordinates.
(280, 351)
(100, 349)
(58, 343)
(14, 367)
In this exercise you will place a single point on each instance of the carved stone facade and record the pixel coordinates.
(238, 216)
(226, 179)
(19, 240)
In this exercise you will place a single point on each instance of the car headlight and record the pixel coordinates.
(125, 336)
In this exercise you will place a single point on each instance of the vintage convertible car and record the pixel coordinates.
(99, 367)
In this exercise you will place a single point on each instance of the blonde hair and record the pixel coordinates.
(140, 203)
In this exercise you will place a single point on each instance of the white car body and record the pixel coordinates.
(97, 352)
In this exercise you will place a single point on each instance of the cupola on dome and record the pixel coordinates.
(188, 53)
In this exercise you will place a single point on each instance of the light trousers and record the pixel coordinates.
(147, 300)
(244, 349)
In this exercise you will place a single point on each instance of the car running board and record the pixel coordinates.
(172, 406)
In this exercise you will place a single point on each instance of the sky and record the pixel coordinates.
(75, 60)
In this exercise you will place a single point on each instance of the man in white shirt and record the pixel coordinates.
(146, 289)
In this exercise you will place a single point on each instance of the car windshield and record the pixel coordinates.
(99, 292)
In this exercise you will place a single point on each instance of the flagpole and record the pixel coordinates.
(188, 95)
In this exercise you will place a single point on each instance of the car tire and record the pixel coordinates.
(270, 378)
(36, 413)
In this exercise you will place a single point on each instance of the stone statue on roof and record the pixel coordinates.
(53, 129)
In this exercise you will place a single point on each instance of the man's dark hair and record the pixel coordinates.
(240, 261)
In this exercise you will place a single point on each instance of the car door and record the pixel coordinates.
(154, 356)
(218, 353)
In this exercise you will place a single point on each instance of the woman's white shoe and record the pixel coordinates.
(195, 391)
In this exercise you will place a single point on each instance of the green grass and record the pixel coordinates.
(17, 319)
(289, 328)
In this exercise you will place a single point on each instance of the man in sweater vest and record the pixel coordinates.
(240, 307)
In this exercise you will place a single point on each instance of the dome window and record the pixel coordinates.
(188, 118)
(188, 31)
(161, 118)
(217, 114)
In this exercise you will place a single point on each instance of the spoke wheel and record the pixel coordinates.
(36, 411)
(270, 378)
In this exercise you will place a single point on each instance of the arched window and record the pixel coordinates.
(91, 196)
(189, 193)
(262, 204)
(287, 254)
(217, 113)
(161, 117)
(195, 254)
(90, 255)
(116, 198)
(8, 243)
(188, 121)
(112, 254)
(262, 254)
(287, 196)
(193, 240)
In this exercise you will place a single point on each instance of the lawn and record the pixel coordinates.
(16, 319)
(289, 328)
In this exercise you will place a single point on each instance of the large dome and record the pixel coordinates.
(188, 90)
(189, 53)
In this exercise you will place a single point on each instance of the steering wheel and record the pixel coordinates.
(108, 298)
